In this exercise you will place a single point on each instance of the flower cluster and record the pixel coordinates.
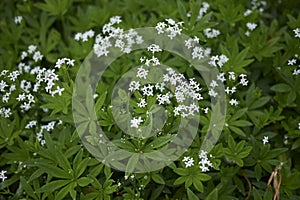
(198, 52)
(250, 27)
(229, 78)
(256, 5)
(183, 90)
(84, 36)
(204, 163)
(171, 28)
(48, 127)
(211, 33)
(22, 87)
(32, 50)
(115, 37)
(218, 60)
(188, 161)
(203, 10)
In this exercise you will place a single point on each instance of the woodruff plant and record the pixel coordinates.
(149, 100)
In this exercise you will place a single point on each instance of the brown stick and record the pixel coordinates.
(249, 183)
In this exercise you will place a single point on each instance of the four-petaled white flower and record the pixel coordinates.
(297, 32)
(135, 122)
(265, 140)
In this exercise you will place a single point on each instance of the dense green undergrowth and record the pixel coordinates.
(254, 45)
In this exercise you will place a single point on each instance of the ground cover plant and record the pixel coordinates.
(149, 99)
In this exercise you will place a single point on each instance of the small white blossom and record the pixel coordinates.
(251, 26)
(154, 48)
(211, 33)
(142, 73)
(204, 163)
(134, 85)
(18, 19)
(233, 102)
(31, 124)
(297, 32)
(292, 61)
(265, 140)
(135, 122)
(37, 56)
(203, 10)
(142, 103)
(31, 49)
(2, 175)
(13, 75)
(247, 12)
(188, 161)
(147, 90)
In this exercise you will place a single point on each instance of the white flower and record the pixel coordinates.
(204, 163)
(203, 10)
(292, 61)
(3, 85)
(134, 85)
(299, 126)
(135, 122)
(2, 175)
(231, 76)
(142, 103)
(142, 73)
(18, 19)
(221, 77)
(188, 161)
(243, 79)
(297, 32)
(31, 49)
(84, 36)
(211, 33)
(247, 12)
(233, 102)
(164, 98)
(251, 26)
(115, 20)
(265, 140)
(147, 90)
(37, 56)
(13, 75)
(31, 124)
(212, 93)
(154, 48)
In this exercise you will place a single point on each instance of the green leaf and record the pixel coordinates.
(54, 171)
(182, 11)
(53, 185)
(241, 123)
(213, 195)
(281, 87)
(191, 195)
(84, 181)
(198, 185)
(132, 162)
(157, 178)
(65, 190)
(256, 194)
(180, 180)
(28, 189)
